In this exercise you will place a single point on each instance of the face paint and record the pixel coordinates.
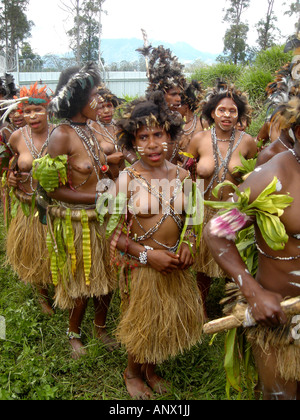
(222, 112)
(33, 115)
(141, 151)
(94, 104)
(165, 146)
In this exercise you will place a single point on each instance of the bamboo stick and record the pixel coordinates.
(290, 307)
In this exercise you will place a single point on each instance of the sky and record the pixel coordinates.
(197, 22)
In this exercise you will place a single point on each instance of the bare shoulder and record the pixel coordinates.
(59, 141)
(278, 166)
(197, 142)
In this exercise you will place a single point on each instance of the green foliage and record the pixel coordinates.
(209, 74)
(36, 363)
(254, 82)
(272, 59)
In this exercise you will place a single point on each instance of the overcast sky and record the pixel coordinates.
(197, 22)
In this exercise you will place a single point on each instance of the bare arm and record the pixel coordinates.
(265, 305)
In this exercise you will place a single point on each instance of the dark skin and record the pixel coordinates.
(201, 148)
(36, 119)
(151, 143)
(275, 280)
(276, 147)
(115, 158)
(65, 141)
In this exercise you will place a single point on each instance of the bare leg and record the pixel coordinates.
(75, 320)
(101, 308)
(273, 387)
(134, 381)
(44, 301)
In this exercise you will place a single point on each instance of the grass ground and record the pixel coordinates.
(36, 364)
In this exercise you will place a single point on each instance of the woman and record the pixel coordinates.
(105, 131)
(69, 173)
(275, 341)
(16, 120)
(217, 152)
(161, 305)
(26, 236)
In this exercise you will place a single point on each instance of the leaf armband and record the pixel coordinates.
(51, 173)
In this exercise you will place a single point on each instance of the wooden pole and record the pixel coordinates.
(290, 307)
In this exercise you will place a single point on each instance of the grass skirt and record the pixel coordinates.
(204, 261)
(162, 316)
(26, 249)
(103, 278)
(283, 342)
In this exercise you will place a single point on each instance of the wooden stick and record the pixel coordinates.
(237, 319)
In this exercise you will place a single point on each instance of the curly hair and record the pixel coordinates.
(74, 89)
(221, 91)
(149, 112)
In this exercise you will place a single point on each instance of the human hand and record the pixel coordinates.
(115, 158)
(266, 308)
(12, 180)
(185, 257)
(163, 261)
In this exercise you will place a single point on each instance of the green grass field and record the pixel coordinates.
(36, 363)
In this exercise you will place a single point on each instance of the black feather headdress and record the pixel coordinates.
(164, 69)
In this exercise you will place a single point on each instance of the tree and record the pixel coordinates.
(15, 25)
(266, 28)
(86, 33)
(294, 9)
(235, 40)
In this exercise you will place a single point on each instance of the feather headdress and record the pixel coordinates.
(286, 84)
(288, 115)
(28, 96)
(85, 78)
(164, 69)
(107, 96)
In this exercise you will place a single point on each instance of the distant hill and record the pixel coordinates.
(117, 50)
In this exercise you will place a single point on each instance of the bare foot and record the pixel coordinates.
(46, 307)
(137, 388)
(156, 383)
(78, 348)
(110, 343)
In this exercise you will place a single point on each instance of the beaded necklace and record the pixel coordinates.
(295, 155)
(27, 136)
(170, 211)
(106, 134)
(224, 162)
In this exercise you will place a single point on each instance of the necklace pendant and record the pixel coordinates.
(104, 169)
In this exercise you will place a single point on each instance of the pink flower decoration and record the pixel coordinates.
(228, 224)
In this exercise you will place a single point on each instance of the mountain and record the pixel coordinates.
(117, 50)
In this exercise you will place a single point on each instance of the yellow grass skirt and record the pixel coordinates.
(162, 315)
(102, 278)
(204, 261)
(283, 342)
(26, 249)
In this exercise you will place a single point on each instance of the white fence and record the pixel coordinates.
(120, 83)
